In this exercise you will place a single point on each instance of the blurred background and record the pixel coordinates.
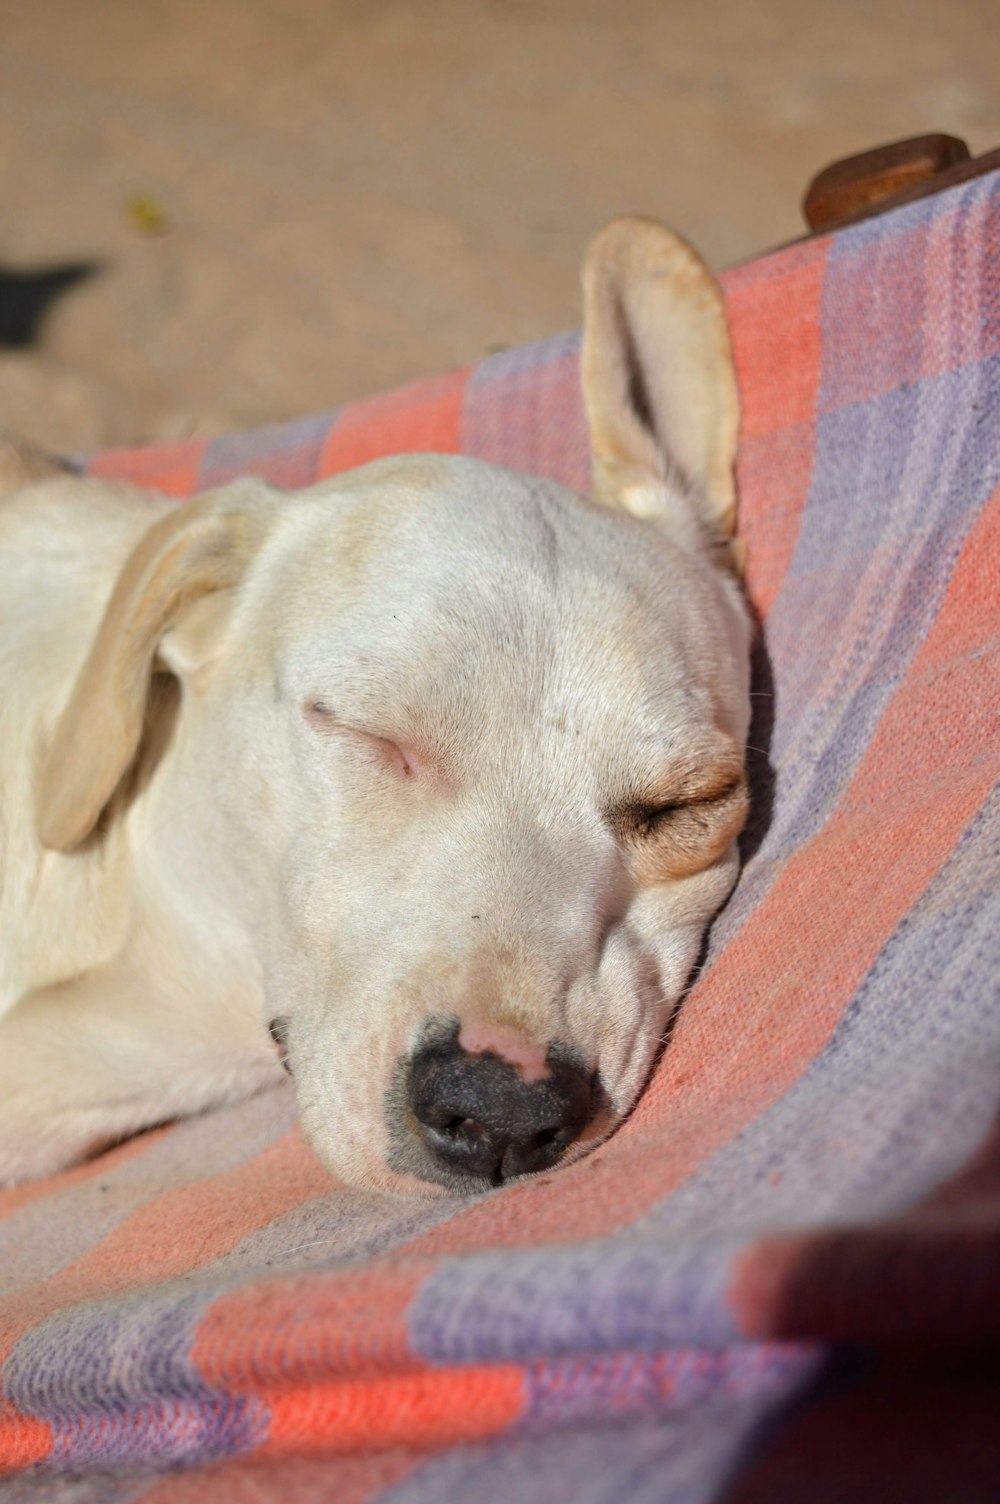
(218, 213)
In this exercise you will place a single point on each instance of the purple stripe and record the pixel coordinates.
(163, 1432)
(116, 1380)
(524, 409)
(287, 455)
(603, 1296)
(572, 1391)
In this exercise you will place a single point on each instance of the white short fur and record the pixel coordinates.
(426, 738)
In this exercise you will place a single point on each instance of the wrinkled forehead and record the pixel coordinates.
(434, 583)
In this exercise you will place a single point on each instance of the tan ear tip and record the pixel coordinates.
(56, 831)
(632, 245)
(52, 836)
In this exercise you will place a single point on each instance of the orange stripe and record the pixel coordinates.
(173, 1233)
(778, 350)
(777, 338)
(308, 1328)
(23, 1440)
(421, 417)
(171, 468)
(736, 1053)
(433, 1409)
(770, 516)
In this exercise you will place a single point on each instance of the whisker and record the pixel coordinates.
(286, 1253)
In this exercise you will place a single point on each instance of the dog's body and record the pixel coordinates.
(438, 766)
(120, 1019)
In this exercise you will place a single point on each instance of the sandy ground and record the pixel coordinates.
(352, 194)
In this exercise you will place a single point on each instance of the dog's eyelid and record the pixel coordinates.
(649, 813)
(665, 839)
(640, 820)
(641, 816)
(325, 720)
(318, 713)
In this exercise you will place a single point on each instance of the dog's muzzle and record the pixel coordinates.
(478, 1118)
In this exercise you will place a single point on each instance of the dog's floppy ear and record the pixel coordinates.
(658, 379)
(192, 553)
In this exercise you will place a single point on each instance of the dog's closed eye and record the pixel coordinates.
(389, 753)
(674, 837)
(643, 821)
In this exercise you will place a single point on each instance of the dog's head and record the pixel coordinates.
(459, 754)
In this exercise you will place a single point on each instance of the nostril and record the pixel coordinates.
(463, 1128)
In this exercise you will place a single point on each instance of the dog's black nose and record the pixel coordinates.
(481, 1120)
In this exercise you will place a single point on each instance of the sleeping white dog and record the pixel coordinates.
(431, 774)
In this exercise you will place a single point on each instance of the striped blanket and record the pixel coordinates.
(781, 1279)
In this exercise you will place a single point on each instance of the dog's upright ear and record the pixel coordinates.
(658, 381)
(184, 561)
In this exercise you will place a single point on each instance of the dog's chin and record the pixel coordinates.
(370, 1173)
(388, 1182)
(358, 1160)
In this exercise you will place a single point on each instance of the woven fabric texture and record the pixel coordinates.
(781, 1279)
